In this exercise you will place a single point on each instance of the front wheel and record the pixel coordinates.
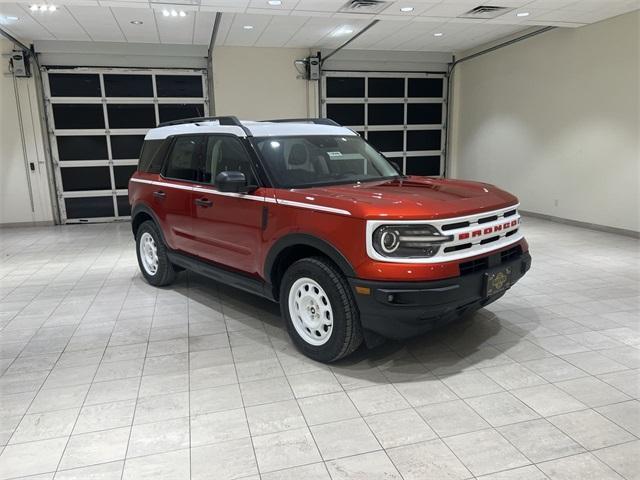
(321, 315)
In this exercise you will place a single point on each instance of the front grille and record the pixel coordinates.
(472, 266)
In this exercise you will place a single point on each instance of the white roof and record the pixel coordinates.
(257, 129)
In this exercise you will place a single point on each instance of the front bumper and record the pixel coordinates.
(401, 310)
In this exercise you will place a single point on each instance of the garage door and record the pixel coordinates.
(98, 119)
(402, 114)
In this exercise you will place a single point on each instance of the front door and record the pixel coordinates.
(227, 227)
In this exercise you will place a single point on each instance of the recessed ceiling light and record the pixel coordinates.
(438, 34)
(406, 9)
(33, 8)
(52, 8)
(182, 13)
(43, 8)
(165, 13)
(522, 14)
(248, 27)
(174, 13)
(11, 18)
(274, 3)
(342, 31)
(136, 22)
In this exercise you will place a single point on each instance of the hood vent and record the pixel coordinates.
(364, 6)
(485, 12)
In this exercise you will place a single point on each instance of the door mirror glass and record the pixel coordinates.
(234, 182)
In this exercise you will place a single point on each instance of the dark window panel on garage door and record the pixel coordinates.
(124, 209)
(427, 166)
(128, 85)
(122, 174)
(345, 87)
(424, 140)
(424, 113)
(346, 113)
(426, 87)
(386, 87)
(82, 147)
(169, 112)
(74, 85)
(386, 114)
(77, 116)
(179, 85)
(386, 141)
(78, 179)
(126, 146)
(89, 207)
(124, 115)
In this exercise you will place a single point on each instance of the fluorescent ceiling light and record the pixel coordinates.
(248, 27)
(174, 13)
(33, 8)
(182, 13)
(12, 18)
(438, 34)
(406, 9)
(165, 13)
(522, 14)
(136, 22)
(274, 3)
(43, 8)
(343, 31)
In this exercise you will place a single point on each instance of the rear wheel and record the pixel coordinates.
(321, 315)
(152, 256)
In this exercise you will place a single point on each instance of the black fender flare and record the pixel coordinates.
(305, 239)
(144, 208)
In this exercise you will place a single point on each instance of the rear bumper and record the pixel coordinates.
(401, 310)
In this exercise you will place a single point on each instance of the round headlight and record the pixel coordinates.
(390, 241)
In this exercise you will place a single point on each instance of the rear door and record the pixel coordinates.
(227, 227)
(172, 195)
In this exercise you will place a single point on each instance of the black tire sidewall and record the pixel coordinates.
(334, 347)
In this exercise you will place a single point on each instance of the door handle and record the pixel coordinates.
(203, 202)
(159, 194)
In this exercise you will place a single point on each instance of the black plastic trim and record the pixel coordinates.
(304, 239)
(222, 275)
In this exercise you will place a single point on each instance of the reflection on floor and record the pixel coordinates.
(104, 375)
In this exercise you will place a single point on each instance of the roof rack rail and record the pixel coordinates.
(317, 121)
(228, 120)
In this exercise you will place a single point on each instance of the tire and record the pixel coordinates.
(164, 272)
(312, 287)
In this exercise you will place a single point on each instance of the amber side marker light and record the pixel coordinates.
(363, 290)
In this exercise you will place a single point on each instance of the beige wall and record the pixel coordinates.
(15, 201)
(261, 83)
(555, 120)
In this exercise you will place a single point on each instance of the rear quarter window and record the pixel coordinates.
(150, 157)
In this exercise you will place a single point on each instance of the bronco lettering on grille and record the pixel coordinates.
(489, 230)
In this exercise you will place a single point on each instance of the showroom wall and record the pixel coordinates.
(261, 83)
(24, 194)
(555, 120)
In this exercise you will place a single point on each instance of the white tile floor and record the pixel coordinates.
(106, 377)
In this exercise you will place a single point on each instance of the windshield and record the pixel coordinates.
(305, 161)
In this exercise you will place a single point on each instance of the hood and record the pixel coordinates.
(407, 198)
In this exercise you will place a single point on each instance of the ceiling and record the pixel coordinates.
(297, 23)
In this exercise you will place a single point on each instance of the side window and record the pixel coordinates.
(184, 158)
(226, 154)
(149, 150)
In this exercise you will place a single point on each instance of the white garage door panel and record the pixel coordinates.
(98, 118)
(401, 114)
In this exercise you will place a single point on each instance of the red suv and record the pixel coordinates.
(307, 213)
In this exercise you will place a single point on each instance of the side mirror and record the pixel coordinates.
(234, 182)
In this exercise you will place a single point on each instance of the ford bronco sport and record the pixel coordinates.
(307, 213)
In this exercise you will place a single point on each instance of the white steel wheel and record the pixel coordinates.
(149, 253)
(311, 312)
